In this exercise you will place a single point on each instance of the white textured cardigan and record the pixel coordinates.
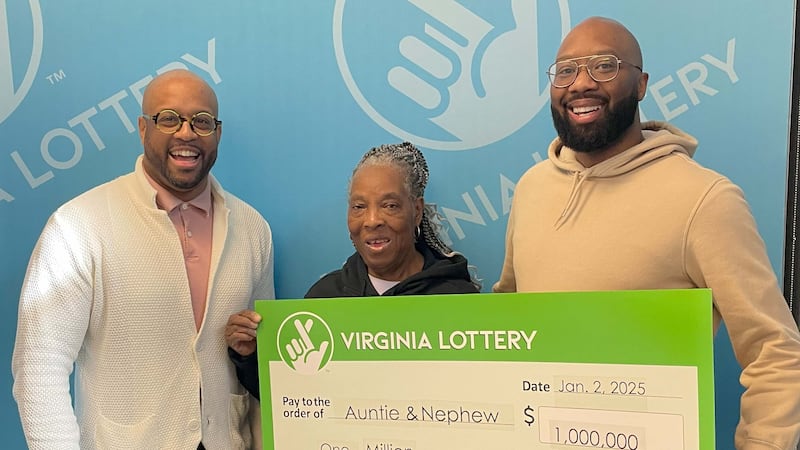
(106, 289)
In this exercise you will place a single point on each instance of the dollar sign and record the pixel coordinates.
(528, 411)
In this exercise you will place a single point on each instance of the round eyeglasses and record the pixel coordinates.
(169, 122)
(601, 68)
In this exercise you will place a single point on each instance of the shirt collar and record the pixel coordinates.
(167, 201)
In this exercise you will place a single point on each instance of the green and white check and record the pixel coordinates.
(628, 370)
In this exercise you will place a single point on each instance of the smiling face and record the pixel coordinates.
(599, 119)
(179, 162)
(382, 217)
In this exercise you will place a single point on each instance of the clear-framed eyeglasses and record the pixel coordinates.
(601, 68)
(169, 122)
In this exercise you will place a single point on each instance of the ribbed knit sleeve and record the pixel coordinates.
(54, 311)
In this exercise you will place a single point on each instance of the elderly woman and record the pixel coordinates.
(398, 249)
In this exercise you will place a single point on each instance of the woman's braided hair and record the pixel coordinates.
(407, 157)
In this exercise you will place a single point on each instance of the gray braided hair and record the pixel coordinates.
(407, 157)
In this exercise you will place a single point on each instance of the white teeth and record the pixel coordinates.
(185, 153)
(584, 109)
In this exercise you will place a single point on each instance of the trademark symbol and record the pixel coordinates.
(56, 77)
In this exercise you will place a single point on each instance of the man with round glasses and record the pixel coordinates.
(169, 121)
(621, 205)
(132, 282)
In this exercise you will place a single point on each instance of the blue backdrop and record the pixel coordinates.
(306, 87)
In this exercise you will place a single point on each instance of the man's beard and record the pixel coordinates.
(175, 178)
(601, 133)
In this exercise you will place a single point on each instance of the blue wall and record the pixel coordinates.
(307, 86)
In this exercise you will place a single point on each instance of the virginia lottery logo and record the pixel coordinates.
(25, 44)
(442, 75)
(305, 342)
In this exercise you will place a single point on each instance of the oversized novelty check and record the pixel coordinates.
(630, 370)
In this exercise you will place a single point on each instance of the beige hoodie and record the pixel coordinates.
(652, 218)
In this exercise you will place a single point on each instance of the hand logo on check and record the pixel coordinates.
(305, 345)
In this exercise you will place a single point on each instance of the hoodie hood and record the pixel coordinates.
(660, 139)
(441, 274)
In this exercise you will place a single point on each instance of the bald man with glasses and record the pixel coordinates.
(132, 283)
(621, 205)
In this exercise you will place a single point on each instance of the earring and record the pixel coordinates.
(417, 233)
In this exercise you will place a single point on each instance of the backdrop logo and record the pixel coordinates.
(12, 95)
(441, 75)
(305, 342)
